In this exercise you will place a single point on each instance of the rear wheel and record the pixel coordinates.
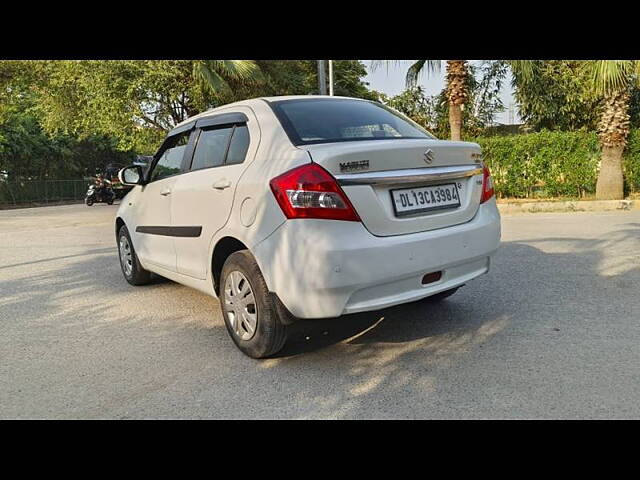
(249, 312)
(131, 267)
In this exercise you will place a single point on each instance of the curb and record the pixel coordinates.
(577, 206)
(38, 205)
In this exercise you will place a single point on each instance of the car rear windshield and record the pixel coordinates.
(308, 121)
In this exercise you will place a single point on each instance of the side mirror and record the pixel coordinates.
(131, 175)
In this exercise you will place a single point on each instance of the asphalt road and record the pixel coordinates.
(553, 331)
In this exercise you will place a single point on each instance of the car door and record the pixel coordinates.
(203, 197)
(153, 234)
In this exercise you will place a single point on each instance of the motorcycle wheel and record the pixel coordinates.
(89, 201)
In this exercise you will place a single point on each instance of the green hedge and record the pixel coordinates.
(553, 164)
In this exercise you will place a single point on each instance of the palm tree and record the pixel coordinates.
(613, 80)
(215, 74)
(456, 88)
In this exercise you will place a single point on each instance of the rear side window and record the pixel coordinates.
(239, 145)
(330, 120)
(211, 148)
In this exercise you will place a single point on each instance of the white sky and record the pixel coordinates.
(391, 81)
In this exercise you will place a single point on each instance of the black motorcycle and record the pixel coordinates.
(99, 195)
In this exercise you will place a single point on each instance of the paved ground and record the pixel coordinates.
(552, 332)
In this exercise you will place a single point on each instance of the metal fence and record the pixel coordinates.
(41, 191)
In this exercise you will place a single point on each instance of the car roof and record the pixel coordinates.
(251, 101)
(309, 97)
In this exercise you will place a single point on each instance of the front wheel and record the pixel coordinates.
(249, 313)
(131, 267)
(88, 201)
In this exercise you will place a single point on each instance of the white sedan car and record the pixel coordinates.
(307, 207)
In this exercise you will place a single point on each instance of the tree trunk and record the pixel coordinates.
(613, 130)
(455, 121)
(610, 184)
(456, 94)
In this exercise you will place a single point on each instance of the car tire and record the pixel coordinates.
(256, 327)
(129, 263)
(438, 297)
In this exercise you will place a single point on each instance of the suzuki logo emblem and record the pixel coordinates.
(429, 156)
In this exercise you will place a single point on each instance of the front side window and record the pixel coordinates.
(331, 120)
(170, 162)
(211, 148)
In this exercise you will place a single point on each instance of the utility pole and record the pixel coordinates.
(322, 79)
(331, 77)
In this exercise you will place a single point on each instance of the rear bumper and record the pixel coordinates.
(325, 268)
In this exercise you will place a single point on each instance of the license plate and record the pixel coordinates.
(409, 201)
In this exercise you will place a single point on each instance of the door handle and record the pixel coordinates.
(165, 192)
(222, 184)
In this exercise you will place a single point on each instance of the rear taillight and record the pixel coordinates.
(310, 191)
(487, 185)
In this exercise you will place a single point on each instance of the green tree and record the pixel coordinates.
(27, 151)
(134, 101)
(138, 101)
(348, 81)
(433, 112)
(299, 77)
(215, 74)
(458, 79)
(554, 94)
(52, 110)
(414, 104)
